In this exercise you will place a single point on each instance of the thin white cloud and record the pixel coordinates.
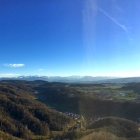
(9, 75)
(122, 26)
(40, 69)
(14, 65)
(119, 9)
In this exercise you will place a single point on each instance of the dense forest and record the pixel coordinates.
(37, 108)
(22, 116)
(69, 99)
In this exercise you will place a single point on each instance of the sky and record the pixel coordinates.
(70, 37)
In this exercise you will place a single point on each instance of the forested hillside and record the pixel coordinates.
(22, 116)
(26, 111)
(67, 98)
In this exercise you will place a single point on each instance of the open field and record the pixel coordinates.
(108, 91)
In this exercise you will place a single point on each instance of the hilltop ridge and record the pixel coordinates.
(76, 79)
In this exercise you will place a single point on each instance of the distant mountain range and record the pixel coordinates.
(76, 79)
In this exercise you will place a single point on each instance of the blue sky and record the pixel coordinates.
(70, 37)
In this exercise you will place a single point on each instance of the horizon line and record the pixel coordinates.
(18, 76)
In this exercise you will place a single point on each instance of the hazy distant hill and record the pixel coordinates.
(122, 80)
(69, 79)
(76, 79)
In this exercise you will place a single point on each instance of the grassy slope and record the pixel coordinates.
(117, 126)
(109, 128)
(5, 136)
(103, 135)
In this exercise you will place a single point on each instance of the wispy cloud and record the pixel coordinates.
(122, 26)
(40, 69)
(9, 75)
(119, 8)
(14, 65)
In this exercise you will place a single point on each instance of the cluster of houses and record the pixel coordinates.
(77, 119)
(74, 115)
(104, 95)
(122, 94)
